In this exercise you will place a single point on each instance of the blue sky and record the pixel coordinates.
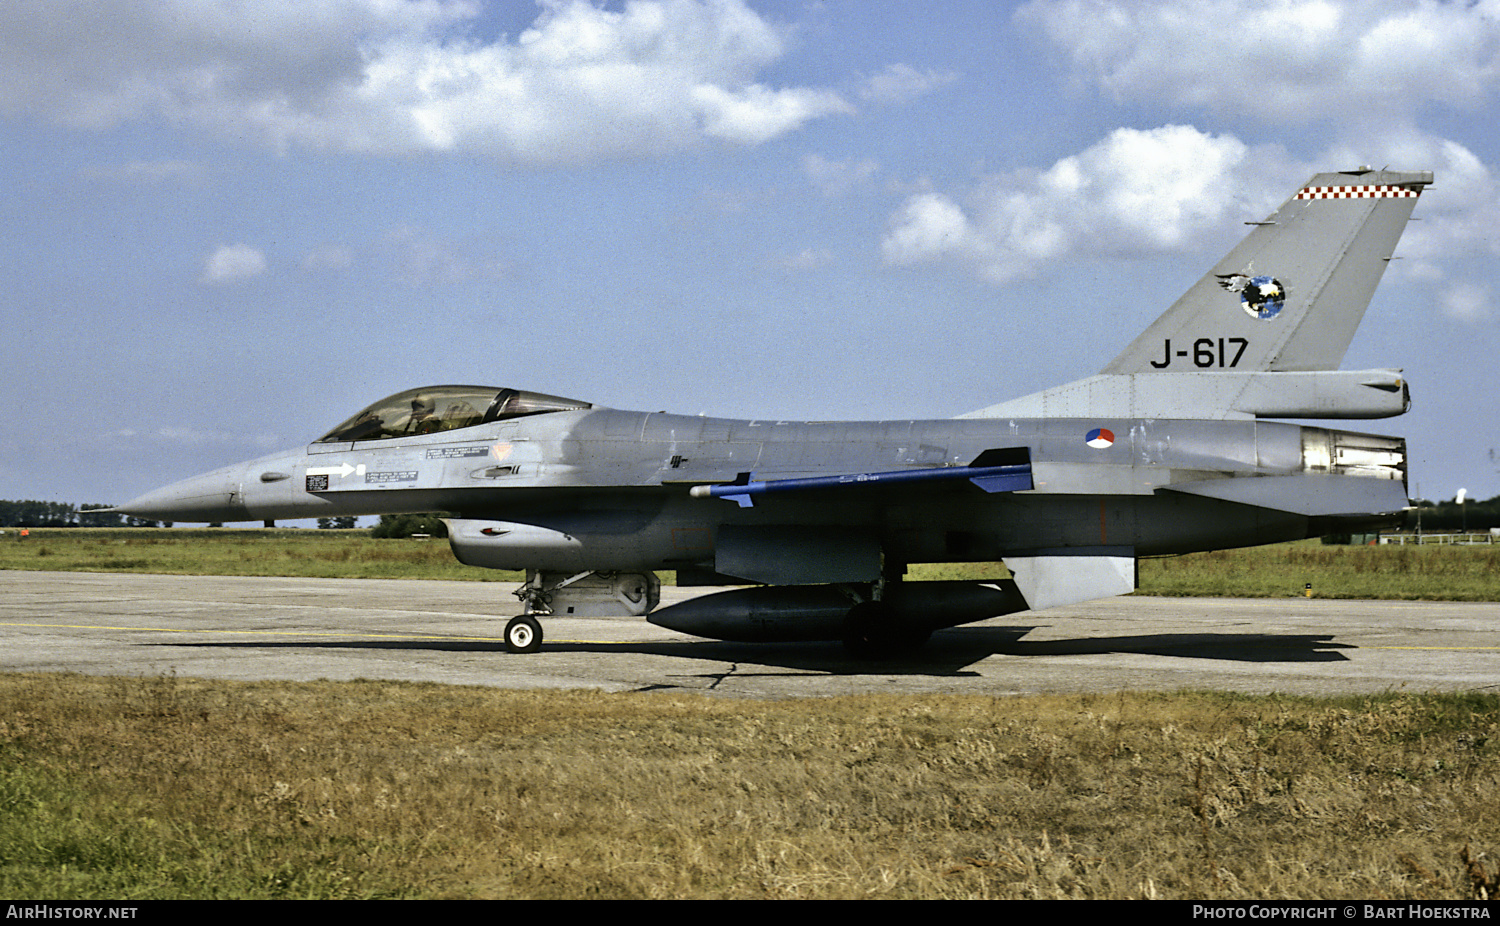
(227, 226)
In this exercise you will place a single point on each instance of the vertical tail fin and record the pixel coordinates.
(1291, 295)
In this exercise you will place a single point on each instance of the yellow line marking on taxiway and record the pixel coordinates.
(290, 633)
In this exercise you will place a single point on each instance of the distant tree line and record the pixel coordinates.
(404, 525)
(32, 513)
(1451, 516)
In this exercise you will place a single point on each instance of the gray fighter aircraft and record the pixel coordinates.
(1166, 451)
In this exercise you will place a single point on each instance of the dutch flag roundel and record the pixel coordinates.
(1099, 438)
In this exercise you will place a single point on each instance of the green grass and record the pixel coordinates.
(127, 788)
(1428, 573)
(1425, 573)
(1416, 573)
(324, 554)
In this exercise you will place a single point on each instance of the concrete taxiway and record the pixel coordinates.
(449, 632)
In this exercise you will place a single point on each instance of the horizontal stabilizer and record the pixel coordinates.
(1310, 494)
(1053, 578)
(1214, 395)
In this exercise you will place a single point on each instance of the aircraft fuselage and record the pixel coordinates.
(618, 483)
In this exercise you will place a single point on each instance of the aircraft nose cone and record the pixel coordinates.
(212, 496)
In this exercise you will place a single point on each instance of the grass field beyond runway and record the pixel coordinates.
(1422, 573)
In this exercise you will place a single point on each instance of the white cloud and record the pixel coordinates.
(1467, 302)
(930, 226)
(1368, 70)
(1135, 192)
(901, 82)
(417, 257)
(190, 437)
(231, 262)
(328, 257)
(387, 76)
(836, 178)
(1458, 213)
(755, 114)
(149, 172)
(1282, 61)
(1138, 193)
(809, 259)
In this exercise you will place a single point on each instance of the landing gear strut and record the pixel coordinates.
(874, 629)
(580, 594)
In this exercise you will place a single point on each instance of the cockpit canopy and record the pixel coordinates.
(432, 409)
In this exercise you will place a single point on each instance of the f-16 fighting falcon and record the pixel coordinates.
(1167, 450)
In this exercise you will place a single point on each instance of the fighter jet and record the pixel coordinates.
(1168, 450)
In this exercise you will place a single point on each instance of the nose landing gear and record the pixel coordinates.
(523, 634)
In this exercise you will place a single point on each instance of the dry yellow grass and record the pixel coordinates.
(173, 787)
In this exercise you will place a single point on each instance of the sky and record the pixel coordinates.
(227, 226)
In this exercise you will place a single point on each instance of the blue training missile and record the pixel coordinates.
(998, 470)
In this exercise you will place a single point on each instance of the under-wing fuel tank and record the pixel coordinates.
(794, 613)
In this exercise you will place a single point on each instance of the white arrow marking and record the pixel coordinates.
(340, 471)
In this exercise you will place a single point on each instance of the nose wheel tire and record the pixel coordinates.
(523, 635)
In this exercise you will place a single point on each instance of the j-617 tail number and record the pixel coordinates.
(1207, 353)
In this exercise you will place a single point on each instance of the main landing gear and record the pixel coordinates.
(874, 630)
